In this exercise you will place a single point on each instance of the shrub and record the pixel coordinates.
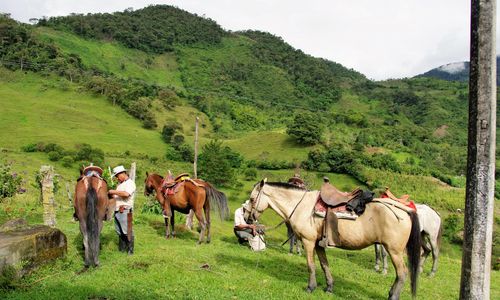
(214, 166)
(250, 174)
(87, 154)
(54, 155)
(452, 228)
(306, 129)
(67, 161)
(29, 148)
(186, 152)
(169, 130)
(10, 183)
(177, 140)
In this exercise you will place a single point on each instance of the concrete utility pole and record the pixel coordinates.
(476, 260)
(195, 163)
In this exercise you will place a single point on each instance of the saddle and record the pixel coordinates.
(333, 197)
(171, 185)
(388, 194)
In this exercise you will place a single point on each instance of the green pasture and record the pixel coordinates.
(172, 269)
(114, 58)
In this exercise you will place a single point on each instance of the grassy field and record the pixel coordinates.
(114, 58)
(171, 269)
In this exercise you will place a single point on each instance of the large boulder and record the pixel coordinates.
(25, 247)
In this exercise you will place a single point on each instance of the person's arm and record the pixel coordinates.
(122, 194)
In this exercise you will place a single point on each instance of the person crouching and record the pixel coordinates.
(245, 231)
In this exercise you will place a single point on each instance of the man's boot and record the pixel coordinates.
(130, 246)
(122, 243)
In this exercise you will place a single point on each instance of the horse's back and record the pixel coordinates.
(429, 219)
(378, 224)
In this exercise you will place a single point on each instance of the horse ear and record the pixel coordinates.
(147, 174)
(262, 182)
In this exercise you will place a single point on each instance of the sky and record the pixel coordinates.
(382, 39)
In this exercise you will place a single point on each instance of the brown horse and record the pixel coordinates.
(190, 196)
(91, 202)
(392, 227)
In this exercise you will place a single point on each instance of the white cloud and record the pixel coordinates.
(381, 39)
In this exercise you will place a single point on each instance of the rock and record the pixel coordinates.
(26, 247)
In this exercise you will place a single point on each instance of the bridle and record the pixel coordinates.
(257, 199)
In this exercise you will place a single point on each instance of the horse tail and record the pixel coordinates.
(413, 248)
(440, 235)
(92, 224)
(217, 200)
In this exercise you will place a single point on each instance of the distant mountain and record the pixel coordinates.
(457, 71)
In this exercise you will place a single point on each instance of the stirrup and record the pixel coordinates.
(324, 243)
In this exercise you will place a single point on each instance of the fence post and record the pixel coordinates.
(47, 183)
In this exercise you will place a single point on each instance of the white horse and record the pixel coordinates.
(430, 225)
(394, 228)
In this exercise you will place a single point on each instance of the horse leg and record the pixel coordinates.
(426, 250)
(309, 248)
(199, 215)
(206, 208)
(189, 219)
(377, 257)
(291, 236)
(167, 226)
(399, 266)
(320, 251)
(383, 252)
(435, 254)
(86, 248)
(172, 224)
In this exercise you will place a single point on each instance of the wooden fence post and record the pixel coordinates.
(479, 191)
(47, 183)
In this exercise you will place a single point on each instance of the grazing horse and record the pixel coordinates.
(91, 203)
(394, 228)
(431, 230)
(199, 197)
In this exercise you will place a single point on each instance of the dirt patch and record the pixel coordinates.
(441, 131)
(373, 150)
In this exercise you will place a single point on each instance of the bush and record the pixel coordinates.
(213, 165)
(452, 228)
(177, 140)
(87, 155)
(306, 129)
(29, 148)
(67, 161)
(250, 174)
(10, 183)
(169, 130)
(54, 155)
(186, 152)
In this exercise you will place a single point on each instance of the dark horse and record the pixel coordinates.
(91, 202)
(190, 196)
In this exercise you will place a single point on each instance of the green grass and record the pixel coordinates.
(35, 109)
(170, 269)
(115, 58)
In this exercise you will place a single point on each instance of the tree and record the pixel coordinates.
(306, 129)
(214, 166)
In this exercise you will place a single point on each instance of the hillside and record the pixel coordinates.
(458, 71)
(129, 85)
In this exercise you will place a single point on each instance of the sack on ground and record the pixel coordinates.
(257, 243)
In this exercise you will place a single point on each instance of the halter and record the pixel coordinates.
(257, 199)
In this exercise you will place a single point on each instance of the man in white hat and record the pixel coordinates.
(123, 209)
(246, 232)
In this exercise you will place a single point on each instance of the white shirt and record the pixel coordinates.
(239, 218)
(129, 187)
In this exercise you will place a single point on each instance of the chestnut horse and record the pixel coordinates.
(190, 196)
(394, 228)
(91, 202)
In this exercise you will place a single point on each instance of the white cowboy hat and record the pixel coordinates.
(247, 206)
(118, 170)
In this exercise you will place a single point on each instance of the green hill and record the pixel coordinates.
(115, 80)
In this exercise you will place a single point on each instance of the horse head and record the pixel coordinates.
(258, 199)
(150, 184)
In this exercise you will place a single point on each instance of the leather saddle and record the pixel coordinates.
(333, 197)
(388, 194)
(170, 181)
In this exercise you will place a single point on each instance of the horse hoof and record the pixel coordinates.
(329, 289)
(432, 274)
(310, 289)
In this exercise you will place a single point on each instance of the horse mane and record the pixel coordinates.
(285, 185)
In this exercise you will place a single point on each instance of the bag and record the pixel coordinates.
(257, 243)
